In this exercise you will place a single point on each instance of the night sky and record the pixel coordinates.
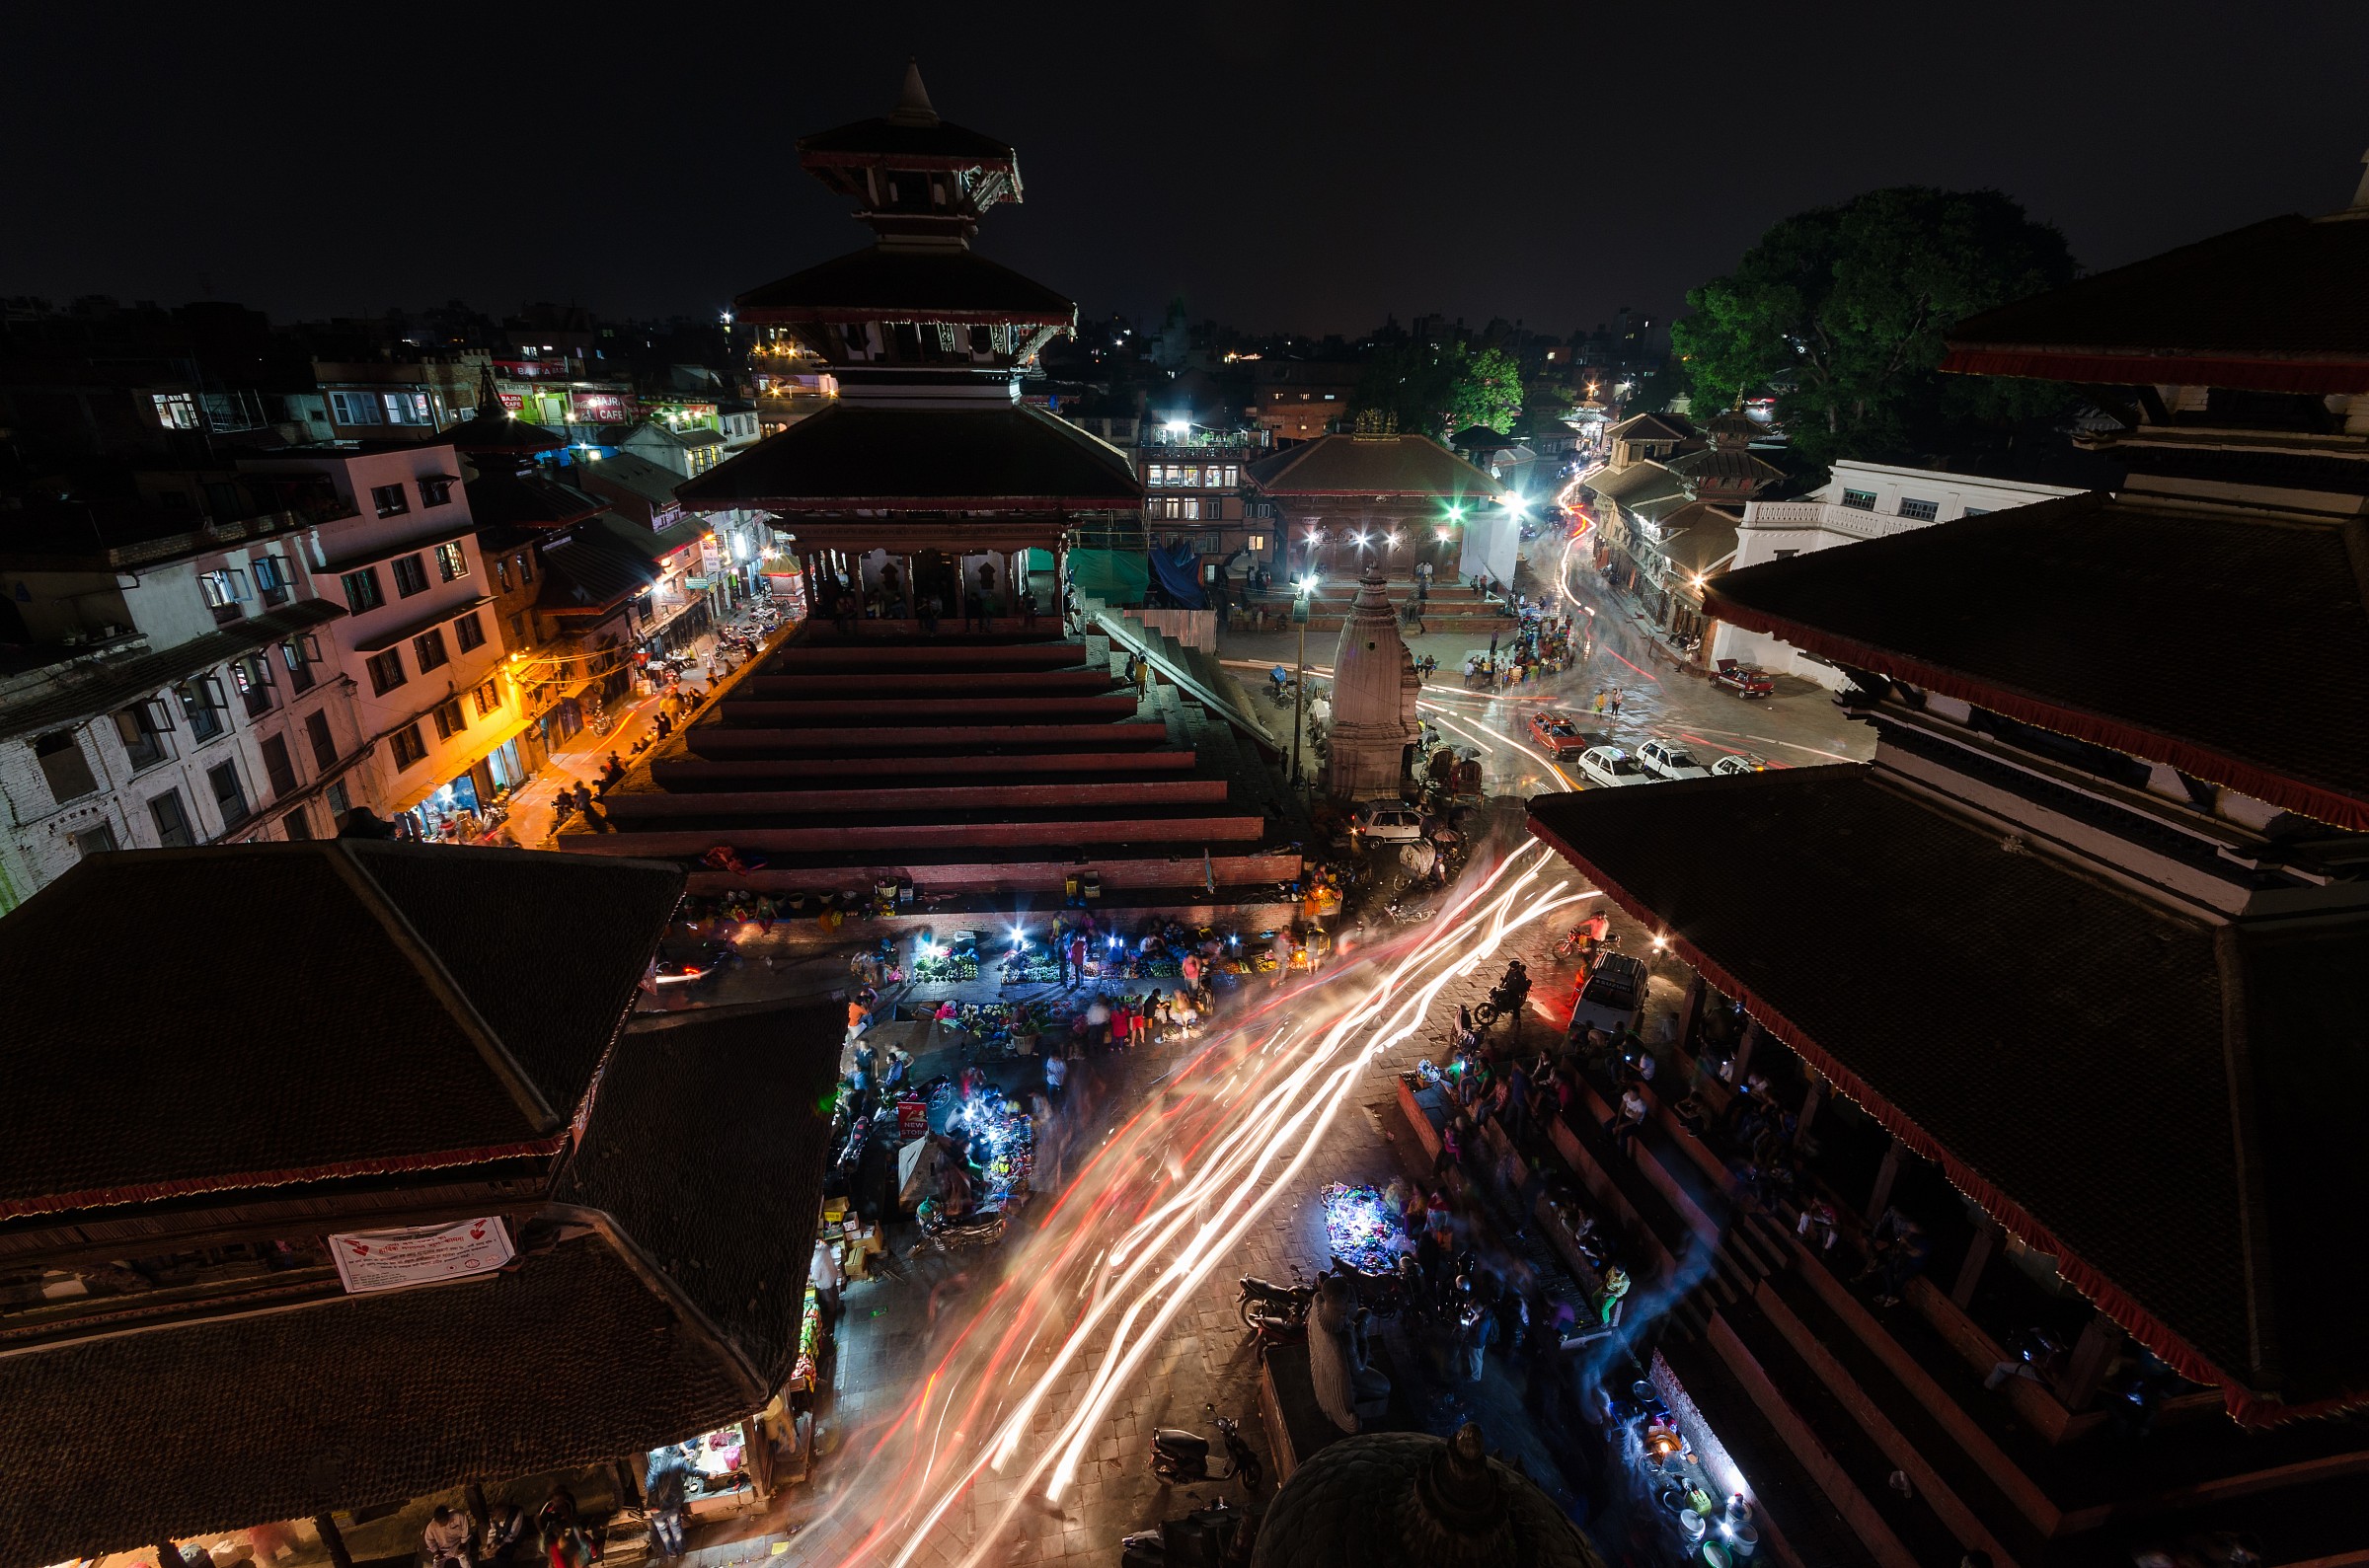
(1279, 166)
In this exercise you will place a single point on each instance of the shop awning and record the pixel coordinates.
(405, 803)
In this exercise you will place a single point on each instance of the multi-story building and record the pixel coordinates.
(170, 680)
(417, 639)
(1859, 501)
(1197, 500)
(1298, 400)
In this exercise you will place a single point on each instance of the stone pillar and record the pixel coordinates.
(1979, 1253)
(1885, 1175)
(1374, 689)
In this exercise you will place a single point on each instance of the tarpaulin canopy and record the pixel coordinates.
(1179, 568)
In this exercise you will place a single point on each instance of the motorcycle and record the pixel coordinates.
(1264, 1304)
(953, 1235)
(1180, 1455)
(1383, 1295)
(1507, 996)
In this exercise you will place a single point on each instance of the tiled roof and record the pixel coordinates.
(1653, 427)
(497, 922)
(2065, 1049)
(1635, 484)
(1001, 456)
(2090, 616)
(530, 500)
(496, 430)
(121, 684)
(2276, 306)
(1698, 536)
(440, 994)
(705, 1119)
(646, 481)
(877, 284)
(890, 140)
(1724, 466)
(1372, 466)
(592, 570)
(569, 1359)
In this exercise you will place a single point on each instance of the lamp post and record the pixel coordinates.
(1299, 691)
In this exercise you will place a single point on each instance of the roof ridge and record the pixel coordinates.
(422, 956)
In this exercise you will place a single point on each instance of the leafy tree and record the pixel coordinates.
(1488, 393)
(1442, 388)
(1848, 306)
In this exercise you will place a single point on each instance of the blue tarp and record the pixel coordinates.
(1179, 568)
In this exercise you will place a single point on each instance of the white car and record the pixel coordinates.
(1666, 758)
(1608, 766)
(1741, 762)
(1388, 822)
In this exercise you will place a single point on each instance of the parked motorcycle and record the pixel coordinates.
(953, 1235)
(1383, 1295)
(1263, 1303)
(1180, 1455)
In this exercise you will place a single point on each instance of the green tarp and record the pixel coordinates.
(1114, 577)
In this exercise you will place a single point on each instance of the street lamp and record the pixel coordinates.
(1299, 689)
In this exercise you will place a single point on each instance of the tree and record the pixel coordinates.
(1440, 387)
(1488, 393)
(1848, 307)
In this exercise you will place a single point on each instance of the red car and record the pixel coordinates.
(1557, 736)
(1743, 680)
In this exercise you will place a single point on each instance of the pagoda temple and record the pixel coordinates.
(965, 734)
(2051, 1015)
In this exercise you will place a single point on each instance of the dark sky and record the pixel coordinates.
(1279, 165)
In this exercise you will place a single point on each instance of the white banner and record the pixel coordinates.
(382, 1261)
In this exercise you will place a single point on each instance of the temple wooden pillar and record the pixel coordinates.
(1885, 1175)
(332, 1542)
(1979, 1253)
(1809, 1107)
(2085, 1368)
(473, 1496)
(1743, 1049)
(1690, 1014)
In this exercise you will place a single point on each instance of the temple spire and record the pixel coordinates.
(913, 104)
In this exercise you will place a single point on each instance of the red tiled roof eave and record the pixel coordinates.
(2287, 793)
(240, 1181)
(2246, 1405)
(2314, 374)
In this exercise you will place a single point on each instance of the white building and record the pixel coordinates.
(170, 684)
(1857, 501)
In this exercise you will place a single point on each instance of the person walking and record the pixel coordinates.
(669, 1475)
(1616, 702)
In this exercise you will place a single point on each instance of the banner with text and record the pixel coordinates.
(384, 1260)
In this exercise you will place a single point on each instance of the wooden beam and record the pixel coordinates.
(332, 1542)
(1809, 1107)
(475, 1496)
(1885, 1175)
(2085, 1368)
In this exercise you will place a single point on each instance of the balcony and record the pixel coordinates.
(1827, 516)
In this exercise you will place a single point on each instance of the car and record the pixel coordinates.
(1613, 996)
(1557, 736)
(1666, 758)
(1744, 680)
(1741, 762)
(1608, 766)
(1387, 822)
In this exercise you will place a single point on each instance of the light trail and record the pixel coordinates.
(1148, 1219)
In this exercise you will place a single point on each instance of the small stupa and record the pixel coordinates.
(1374, 687)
